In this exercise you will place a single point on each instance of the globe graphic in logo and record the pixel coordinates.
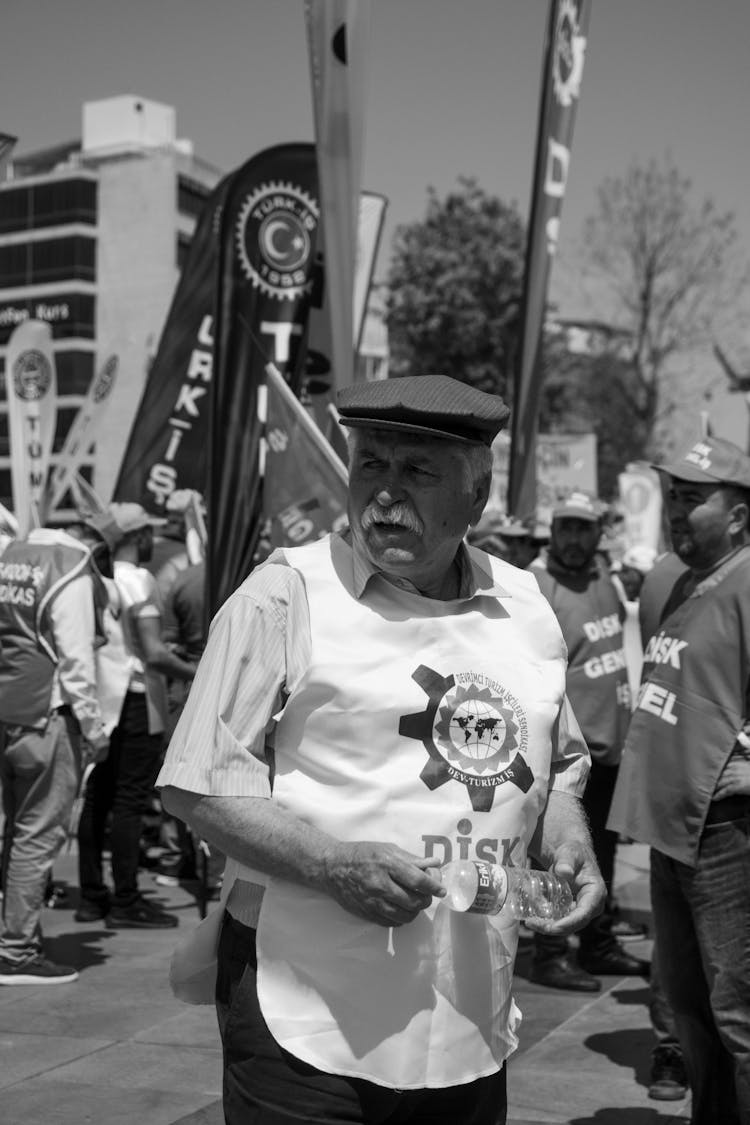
(477, 729)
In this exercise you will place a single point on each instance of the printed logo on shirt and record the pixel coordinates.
(662, 649)
(474, 732)
(605, 664)
(657, 700)
(19, 582)
(490, 849)
(601, 627)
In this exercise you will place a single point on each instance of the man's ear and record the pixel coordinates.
(739, 514)
(481, 496)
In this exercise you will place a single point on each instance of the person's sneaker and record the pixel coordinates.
(668, 1076)
(624, 930)
(141, 915)
(562, 972)
(36, 971)
(90, 911)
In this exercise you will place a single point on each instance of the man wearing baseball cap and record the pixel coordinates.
(684, 787)
(368, 707)
(508, 538)
(119, 787)
(577, 583)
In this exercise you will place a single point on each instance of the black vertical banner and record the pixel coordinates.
(268, 241)
(564, 52)
(166, 449)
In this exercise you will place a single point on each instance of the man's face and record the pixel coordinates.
(574, 541)
(410, 503)
(700, 516)
(519, 550)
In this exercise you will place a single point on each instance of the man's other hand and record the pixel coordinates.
(96, 749)
(575, 863)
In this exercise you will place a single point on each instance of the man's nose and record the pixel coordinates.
(389, 490)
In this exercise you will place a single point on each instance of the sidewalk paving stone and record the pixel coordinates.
(116, 1048)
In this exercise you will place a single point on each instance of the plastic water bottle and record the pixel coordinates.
(486, 888)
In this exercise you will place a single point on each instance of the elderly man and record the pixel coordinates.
(684, 786)
(369, 706)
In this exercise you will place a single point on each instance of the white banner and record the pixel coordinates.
(81, 434)
(31, 384)
(564, 463)
(640, 494)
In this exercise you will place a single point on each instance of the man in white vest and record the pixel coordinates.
(369, 707)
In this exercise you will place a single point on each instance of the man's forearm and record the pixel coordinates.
(374, 880)
(256, 832)
(563, 821)
(170, 664)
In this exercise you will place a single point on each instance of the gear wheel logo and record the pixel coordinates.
(275, 237)
(472, 735)
(32, 375)
(568, 55)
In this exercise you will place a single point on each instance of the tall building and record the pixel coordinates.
(93, 233)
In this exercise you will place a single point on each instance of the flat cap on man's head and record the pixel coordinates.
(435, 405)
(120, 520)
(711, 460)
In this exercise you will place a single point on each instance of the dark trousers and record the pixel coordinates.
(596, 937)
(265, 1085)
(121, 785)
(703, 939)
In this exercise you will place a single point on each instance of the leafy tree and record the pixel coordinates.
(669, 268)
(454, 286)
(593, 394)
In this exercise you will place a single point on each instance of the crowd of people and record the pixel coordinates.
(436, 682)
(90, 652)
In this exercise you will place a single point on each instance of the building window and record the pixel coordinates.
(191, 197)
(75, 370)
(38, 263)
(63, 422)
(48, 205)
(183, 248)
(6, 489)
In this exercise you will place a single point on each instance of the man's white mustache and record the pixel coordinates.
(395, 514)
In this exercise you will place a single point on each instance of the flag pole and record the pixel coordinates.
(564, 50)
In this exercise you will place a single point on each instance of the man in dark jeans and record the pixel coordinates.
(122, 784)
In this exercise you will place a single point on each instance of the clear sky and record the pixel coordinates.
(453, 90)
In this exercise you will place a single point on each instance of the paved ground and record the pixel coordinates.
(117, 1049)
